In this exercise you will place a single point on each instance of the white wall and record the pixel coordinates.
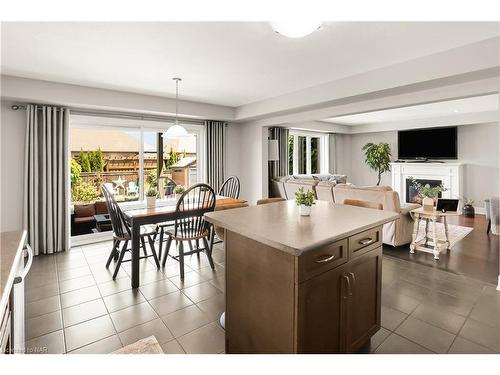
(477, 149)
(12, 126)
(246, 153)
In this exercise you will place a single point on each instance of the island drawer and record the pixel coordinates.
(319, 260)
(365, 241)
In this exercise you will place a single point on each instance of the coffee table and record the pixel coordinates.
(102, 222)
(430, 244)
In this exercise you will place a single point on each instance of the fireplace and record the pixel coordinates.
(412, 193)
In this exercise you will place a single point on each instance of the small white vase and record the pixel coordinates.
(428, 204)
(150, 202)
(304, 210)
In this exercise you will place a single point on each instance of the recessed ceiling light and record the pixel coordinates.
(296, 29)
(455, 110)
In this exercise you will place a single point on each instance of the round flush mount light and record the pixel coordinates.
(295, 29)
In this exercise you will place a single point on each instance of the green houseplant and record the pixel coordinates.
(179, 190)
(304, 200)
(377, 157)
(151, 195)
(428, 193)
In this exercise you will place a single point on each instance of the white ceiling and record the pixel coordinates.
(440, 109)
(222, 63)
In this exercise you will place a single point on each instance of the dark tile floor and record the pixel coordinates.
(476, 255)
(73, 306)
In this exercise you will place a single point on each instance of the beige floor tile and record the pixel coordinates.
(464, 346)
(43, 324)
(190, 279)
(201, 292)
(35, 294)
(83, 312)
(185, 320)
(481, 333)
(104, 346)
(391, 318)
(132, 316)
(88, 332)
(42, 306)
(204, 340)
(74, 273)
(396, 344)
(439, 317)
(153, 328)
(426, 335)
(52, 343)
(157, 289)
(123, 299)
(170, 302)
(172, 347)
(76, 283)
(112, 287)
(213, 307)
(80, 296)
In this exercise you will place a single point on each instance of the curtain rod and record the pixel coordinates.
(134, 116)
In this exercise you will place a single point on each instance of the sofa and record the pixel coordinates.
(322, 184)
(83, 217)
(396, 233)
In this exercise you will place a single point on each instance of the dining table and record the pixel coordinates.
(164, 211)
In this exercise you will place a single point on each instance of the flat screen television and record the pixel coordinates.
(431, 143)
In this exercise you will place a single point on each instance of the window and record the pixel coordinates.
(307, 152)
(123, 156)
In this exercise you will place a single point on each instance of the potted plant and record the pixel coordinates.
(151, 195)
(179, 190)
(377, 157)
(304, 200)
(468, 209)
(428, 193)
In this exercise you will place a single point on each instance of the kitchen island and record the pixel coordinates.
(302, 284)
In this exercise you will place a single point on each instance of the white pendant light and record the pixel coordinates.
(296, 29)
(176, 130)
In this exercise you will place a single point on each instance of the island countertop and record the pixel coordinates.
(11, 246)
(279, 225)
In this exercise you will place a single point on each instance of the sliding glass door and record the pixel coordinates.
(127, 157)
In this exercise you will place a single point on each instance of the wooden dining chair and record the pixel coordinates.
(122, 234)
(269, 200)
(190, 224)
(365, 204)
(230, 188)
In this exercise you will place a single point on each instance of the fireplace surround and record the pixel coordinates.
(449, 174)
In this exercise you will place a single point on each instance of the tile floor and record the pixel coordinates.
(74, 306)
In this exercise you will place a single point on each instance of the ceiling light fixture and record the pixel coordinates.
(296, 29)
(176, 130)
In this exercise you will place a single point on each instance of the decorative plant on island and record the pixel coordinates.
(377, 157)
(427, 192)
(179, 190)
(151, 195)
(304, 200)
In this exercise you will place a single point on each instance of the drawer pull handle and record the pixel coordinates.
(366, 241)
(326, 259)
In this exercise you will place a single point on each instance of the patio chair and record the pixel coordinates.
(132, 188)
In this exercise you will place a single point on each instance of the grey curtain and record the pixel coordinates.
(46, 179)
(332, 150)
(280, 167)
(215, 138)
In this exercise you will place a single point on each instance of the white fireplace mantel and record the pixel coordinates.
(450, 174)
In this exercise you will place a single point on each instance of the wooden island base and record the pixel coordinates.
(324, 301)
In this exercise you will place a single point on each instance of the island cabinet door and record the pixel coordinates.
(322, 312)
(363, 307)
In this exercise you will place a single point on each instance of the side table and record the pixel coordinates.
(430, 244)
